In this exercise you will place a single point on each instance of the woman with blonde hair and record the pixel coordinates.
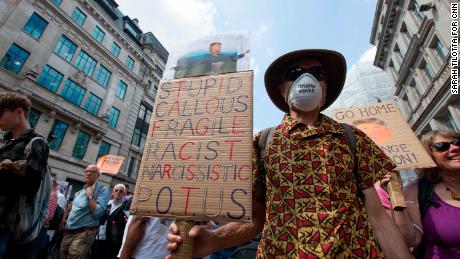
(434, 199)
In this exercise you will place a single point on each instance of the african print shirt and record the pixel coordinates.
(312, 206)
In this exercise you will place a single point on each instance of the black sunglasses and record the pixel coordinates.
(444, 146)
(120, 191)
(293, 73)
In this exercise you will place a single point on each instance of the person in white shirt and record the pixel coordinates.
(144, 237)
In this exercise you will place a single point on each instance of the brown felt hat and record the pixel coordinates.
(332, 61)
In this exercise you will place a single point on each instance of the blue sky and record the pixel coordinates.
(276, 27)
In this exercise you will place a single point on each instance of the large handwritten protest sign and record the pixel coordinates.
(197, 160)
(384, 123)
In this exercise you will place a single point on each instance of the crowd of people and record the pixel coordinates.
(319, 189)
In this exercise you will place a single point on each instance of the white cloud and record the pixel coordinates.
(261, 30)
(368, 55)
(172, 22)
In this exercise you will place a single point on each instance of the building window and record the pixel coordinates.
(130, 63)
(98, 34)
(35, 26)
(416, 9)
(57, 134)
(93, 103)
(14, 59)
(34, 115)
(65, 48)
(73, 92)
(131, 30)
(81, 144)
(406, 32)
(115, 49)
(121, 91)
(415, 89)
(132, 161)
(141, 127)
(113, 117)
(85, 63)
(102, 76)
(104, 149)
(78, 16)
(57, 2)
(449, 123)
(159, 70)
(397, 50)
(50, 79)
(428, 72)
(408, 104)
(440, 49)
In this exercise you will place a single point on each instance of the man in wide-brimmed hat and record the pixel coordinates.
(313, 197)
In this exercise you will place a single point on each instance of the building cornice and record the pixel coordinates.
(375, 24)
(392, 14)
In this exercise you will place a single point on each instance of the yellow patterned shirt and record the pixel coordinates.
(312, 206)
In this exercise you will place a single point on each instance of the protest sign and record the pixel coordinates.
(110, 164)
(197, 160)
(225, 52)
(385, 125)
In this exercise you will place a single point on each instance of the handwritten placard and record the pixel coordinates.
(385, 125)
(197, 160)
(110, 164)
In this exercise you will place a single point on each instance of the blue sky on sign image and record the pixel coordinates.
(276, 27)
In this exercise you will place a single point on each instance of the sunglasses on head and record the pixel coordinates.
(293, 73)
(444, 146)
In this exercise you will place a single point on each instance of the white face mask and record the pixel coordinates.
(305, 93)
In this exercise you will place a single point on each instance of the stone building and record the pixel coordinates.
(413, 47)
(92, 75)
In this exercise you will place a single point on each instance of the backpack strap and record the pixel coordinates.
(351, 141)
(425, 201)
(425, 196)
(266, 137)
(28, 147)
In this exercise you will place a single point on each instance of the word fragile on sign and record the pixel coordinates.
(197, 161)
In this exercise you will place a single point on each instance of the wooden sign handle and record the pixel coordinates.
(184, 250)
(396, 193)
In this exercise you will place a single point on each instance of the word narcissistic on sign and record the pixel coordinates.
(197, 160)
(385, 125)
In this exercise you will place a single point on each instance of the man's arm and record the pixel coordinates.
(101, 202)
(206, 241)
(136, 232)
(388, 235)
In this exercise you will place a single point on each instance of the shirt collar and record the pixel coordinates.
(322, 126)
(28, 133)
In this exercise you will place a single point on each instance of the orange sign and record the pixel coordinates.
(385, 125)
(110, 164)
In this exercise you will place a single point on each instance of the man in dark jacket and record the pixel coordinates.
(23, 166)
